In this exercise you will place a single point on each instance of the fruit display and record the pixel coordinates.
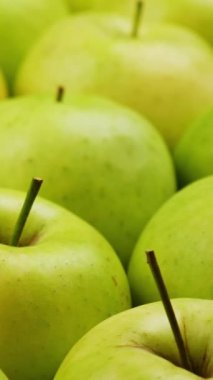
(138, 345)
(62, 279)
(109, 165)
(106, 263)
(165, 72)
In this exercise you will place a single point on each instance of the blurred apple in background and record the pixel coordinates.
(194, 153)
(61, 280)
(166, 73)
(138, 344)
(21, 23)
(195, 14)
(181, 235)
(121, 6)
(99, 159)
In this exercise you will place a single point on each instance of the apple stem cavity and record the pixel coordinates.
(184, 356)
(24, 213)
(60, 94)
(137, 18)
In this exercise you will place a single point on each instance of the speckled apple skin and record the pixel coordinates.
(60, 281)
(138, 345)
(180, 233)
(166, 73)
(100, 160)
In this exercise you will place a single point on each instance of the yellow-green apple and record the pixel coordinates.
(138, 344)
(194, 153)
(21, 23)
(109, 165)
(121, 6)
(61, 280)
(195, 14)
(165, 73)
(180, 233)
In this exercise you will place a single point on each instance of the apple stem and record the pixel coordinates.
(27, 205)
(137, 18)
(60, 94)
(152, 261)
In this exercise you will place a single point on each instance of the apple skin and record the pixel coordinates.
(193, 154)
(102, 161)
(180, 233)
(120, 6)
(166, 73)
(22, 22)
(138, 345)
(195, 14)
(63, 279)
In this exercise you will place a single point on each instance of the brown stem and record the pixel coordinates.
(29, 200)
(60, 94)
(152, 261)
(137, 18)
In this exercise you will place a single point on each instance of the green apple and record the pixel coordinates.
(194, 154)
(109, 165)
(121, 6)
(166, 73)
(138, 345)
(195, 14)
(62, 279)
(180, 233)
(21, 23)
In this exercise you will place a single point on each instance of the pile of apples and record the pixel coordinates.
(110, 103)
